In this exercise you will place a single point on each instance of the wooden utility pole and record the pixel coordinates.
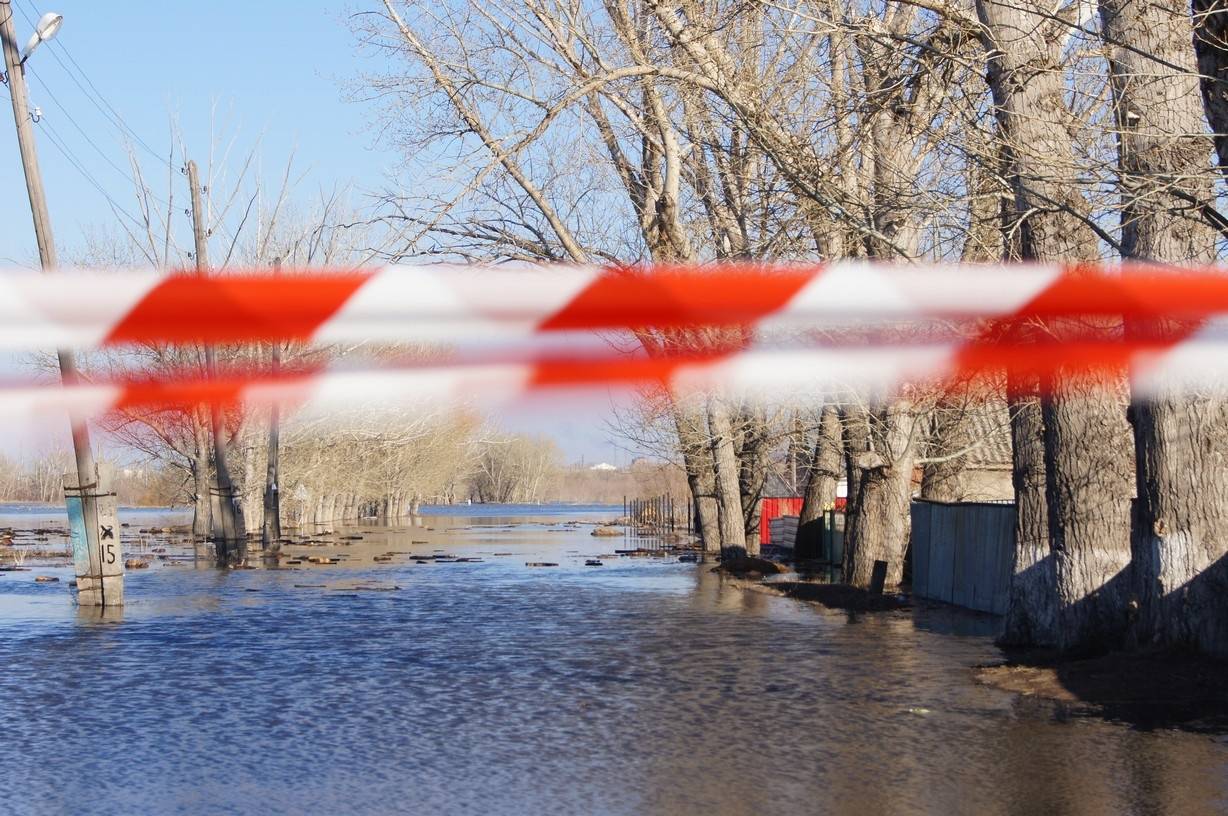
(87, 475)
(271, 532)
(226, 529)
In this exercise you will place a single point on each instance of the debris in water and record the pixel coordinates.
(593, 562)
(540, 564)
(136, 563)
(46, 579)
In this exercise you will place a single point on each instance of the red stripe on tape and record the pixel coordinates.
(235, 308)
(667, 297)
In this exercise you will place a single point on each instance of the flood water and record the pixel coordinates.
(643, 686)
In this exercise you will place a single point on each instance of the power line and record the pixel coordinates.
(95, 97)
(57, 141)
(126, 173)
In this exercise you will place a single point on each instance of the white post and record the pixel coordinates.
(93, 520)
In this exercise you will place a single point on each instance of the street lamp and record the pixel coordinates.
(103, 584)
(48, 26)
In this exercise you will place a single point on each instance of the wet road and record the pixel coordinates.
(638, 687)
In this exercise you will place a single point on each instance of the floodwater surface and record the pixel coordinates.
(643, 686)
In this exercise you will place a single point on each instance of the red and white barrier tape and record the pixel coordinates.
(522, 305)
(780, 376)
(448, 303)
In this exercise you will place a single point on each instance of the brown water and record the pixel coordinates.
(638, 687)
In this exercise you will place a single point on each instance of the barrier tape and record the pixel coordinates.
(877, 327)
(782, 376)
(446, 303)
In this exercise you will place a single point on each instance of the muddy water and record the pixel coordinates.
(638, 687)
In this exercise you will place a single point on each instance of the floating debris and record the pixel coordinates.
(383, 558)
(689, 558)
(46, 579)
(136, 563)
(593, 562)
(608, 532)
(540, 564)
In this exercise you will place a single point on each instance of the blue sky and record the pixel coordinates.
(279, 73)
(276, 72)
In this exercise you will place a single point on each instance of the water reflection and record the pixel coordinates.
(89, 615)
(638, 687)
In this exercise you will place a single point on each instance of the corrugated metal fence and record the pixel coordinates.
(962, 553)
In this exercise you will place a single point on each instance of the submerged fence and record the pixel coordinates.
(657, 514)
(963, 553)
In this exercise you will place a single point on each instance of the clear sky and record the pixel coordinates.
(275, 71)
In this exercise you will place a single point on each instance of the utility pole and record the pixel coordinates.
(87, 481)
(225, 524)
(271, 532)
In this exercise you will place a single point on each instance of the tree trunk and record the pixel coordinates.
(1088, 482)
(855, 426)
(696, 450)
(1211, 47)
(1180, 541)
(1031, 612)
(734, 543)
(752, 469)
(251, 488)
(880, 524)
(1088, 462)
(823, 476)
(270, 532)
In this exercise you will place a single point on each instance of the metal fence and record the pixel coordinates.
(963, 553)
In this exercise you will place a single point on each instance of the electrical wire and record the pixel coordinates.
(45, 88)
(57, 141)
(105, 108)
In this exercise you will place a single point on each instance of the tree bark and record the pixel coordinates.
(855, 426)
(1211, 48)
(734, 543)
(1031, 611)
(879, 527)
(823, 474)
(752, 456)
(700, 473)
(822, 478)
(1088, 461)
(1180, 542)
